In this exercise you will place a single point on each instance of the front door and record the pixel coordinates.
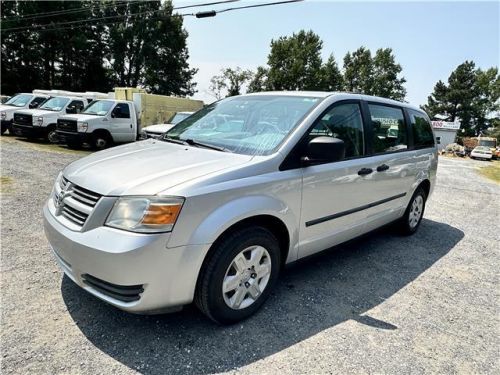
(122, 129)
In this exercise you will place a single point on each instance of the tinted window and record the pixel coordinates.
(122, 111)
(37, 101)
(421, 130)
(76, 104)
(389, 129)
(343, 122)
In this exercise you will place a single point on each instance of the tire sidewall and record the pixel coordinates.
(218, 307)
(96, 138)
(407, 229)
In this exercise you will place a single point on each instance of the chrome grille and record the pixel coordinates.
(74, 203)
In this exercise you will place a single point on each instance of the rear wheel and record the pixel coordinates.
(239, 275)
(414, 213)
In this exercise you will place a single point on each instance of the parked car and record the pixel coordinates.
(41, 122)
(481, 152)
(17, 102)
(155, 131)
(110, 121)
(212, 211)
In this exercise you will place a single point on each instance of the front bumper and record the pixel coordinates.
(28, 131)
(127, 261)
(481, 156)
(72, 137)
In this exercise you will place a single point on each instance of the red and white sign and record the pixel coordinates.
(446, 125)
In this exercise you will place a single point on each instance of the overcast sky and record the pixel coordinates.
(429, 39)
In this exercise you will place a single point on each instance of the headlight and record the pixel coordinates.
(145, 214)
(39, 121)
(3, 115)
(82, 127)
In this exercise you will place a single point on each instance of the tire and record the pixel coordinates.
(251, 287)
(100, 141)
(2, 130)
(414, 213)
(51, 135)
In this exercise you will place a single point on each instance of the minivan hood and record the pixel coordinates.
(147, 167)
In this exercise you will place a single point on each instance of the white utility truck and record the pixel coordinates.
(119, 119)
(16, 103)
(41, 122)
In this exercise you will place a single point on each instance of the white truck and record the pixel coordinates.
(108, 121)
(16, 103)
(41, 122)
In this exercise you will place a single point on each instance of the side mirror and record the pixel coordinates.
(71, 110)
(324, 150)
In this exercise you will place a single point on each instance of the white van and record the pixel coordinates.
(17, 102)
(211, 211)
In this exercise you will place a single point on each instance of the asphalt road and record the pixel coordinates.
(382, 304)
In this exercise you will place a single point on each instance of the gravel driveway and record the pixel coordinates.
(382, 304)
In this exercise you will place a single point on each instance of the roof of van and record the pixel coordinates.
(325, 94)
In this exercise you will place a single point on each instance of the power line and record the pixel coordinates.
(124, 16)
(212, 13)
(103, 6)
(72, 10)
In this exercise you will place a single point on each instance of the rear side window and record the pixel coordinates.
(389, 129)
(344, 122)
(421, 130)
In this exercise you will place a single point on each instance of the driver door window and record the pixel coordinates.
(344, 122)
(121, 111)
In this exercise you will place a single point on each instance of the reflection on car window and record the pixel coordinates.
(19, 100)
(55, 104)
(252, 125)
(389, 129)
(344, 122)
(421, 130)
(98, 107)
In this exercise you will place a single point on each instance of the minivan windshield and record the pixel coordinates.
(98, 107)
(55, 104)
(19, 100)
(251, 125)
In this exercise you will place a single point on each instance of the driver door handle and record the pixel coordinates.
(382, 168)
(365, 171)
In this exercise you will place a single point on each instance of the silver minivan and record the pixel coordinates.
(212, 211)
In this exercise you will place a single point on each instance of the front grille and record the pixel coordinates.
(73, 202)
(124, 293)
(67, 125)
(22, 119)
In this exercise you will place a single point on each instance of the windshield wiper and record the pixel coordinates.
(173, 140)
(192, 142)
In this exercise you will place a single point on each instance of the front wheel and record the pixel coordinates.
(239, 275)
(414, 213)
(100, 141)
(52, 136)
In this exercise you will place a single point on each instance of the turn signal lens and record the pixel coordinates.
(161, 214)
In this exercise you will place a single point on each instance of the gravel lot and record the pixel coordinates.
(382, 304)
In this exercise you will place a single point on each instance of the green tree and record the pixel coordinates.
(358, 71)
(331, 77)
(259, 80)
(230, 80)
(470, 95)
(386, 82)
(148, 48)
(295, 62)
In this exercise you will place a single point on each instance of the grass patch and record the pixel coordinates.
(492, 171)
(6, 185)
